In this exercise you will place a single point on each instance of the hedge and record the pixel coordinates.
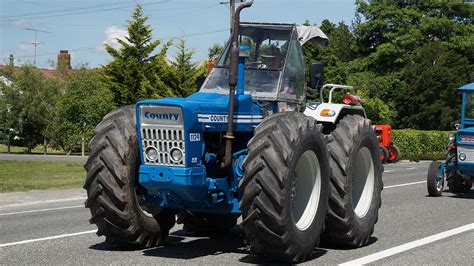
(421, 144)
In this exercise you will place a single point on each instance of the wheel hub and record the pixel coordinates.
(305, 190)
(363, 182)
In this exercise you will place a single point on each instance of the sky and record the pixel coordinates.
(84, 26)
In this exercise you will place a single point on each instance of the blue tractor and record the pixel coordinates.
(458, 168)
(246, 145)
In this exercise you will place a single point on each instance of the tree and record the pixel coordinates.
(20, 98)
(215, 50)
(186, 72)
(430, 99)
(80, 108)
(134, 73)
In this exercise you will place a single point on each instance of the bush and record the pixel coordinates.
(421, 144)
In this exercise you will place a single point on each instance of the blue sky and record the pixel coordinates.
(82, 27)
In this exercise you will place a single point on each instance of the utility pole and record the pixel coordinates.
(232, 11)
(35, 43)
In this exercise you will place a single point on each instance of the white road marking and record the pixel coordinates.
(388, 171)
(43, 201)
(412, 168)
(411, 245)
(406, 184)
(46, 238)
(43, 210)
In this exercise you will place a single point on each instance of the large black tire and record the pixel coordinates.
(274, 192)
(457, 183)
(112, 186)
(355, 164)
(435, 187)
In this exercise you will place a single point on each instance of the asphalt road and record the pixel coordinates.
(51, 227)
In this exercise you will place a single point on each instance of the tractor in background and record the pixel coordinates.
(389, 152)
(458, 168)
(242, 146)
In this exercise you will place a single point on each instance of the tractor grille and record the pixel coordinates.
(469, 151)
(163, 140)
(161, 127)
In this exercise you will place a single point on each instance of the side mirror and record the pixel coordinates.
(316, 75)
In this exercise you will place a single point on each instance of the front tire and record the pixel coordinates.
(285, 187)
(435, 187)
(356, 183)
(113, 192)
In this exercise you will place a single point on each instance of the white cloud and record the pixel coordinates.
(113, 33)
(21, 23)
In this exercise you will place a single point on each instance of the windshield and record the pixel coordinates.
(469, 111)
(263, 68)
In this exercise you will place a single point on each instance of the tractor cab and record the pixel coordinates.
(272, 59)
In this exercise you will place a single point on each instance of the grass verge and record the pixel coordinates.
(28, 175)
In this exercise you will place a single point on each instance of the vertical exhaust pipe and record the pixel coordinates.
(233, 74)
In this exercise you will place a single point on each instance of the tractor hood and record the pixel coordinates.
(465, 136)
(204, 112)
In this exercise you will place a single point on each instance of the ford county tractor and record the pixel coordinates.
(243, 146)
(458, 168)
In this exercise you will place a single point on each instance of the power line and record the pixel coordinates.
(95, 47)
(69, 12)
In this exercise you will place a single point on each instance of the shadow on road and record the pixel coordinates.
(467, 195)
(175, 248)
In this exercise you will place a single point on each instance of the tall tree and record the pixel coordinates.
(80, 108)
(135, 73)
(186, 72)
(20, 98)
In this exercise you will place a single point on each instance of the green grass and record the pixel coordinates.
(28, 175)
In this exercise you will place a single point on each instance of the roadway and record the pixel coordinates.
(51, 227)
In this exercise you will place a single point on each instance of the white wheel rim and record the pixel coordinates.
(363, 181)
(439, 183)
(306, 190)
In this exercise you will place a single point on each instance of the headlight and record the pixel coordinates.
(451, 137)
(151, 154)
(462, 156)
(176, 155)
(328, 113)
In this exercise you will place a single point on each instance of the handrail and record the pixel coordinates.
(333, 87)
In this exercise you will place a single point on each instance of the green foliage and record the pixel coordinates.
(82, 105)
(215, 51)
(134, 73)
(420, 145)
(185, 71)
(26, 102)
(405, 58)
(431, 96)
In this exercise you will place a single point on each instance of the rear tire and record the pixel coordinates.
(383, 154)
(394, 154)
(356, 183)
(113, 192)
(435, 187)
(285, 187)
(458, 184)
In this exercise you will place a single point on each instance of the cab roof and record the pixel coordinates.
(467, 87)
